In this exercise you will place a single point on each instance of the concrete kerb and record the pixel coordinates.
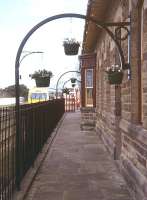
(32, 172)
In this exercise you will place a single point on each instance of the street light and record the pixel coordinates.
(29, 53)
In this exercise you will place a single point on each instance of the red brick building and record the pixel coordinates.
(118, 112)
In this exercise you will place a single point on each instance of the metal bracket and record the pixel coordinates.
(118, 29)
(117, 38)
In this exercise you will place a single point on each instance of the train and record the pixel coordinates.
(38, 94)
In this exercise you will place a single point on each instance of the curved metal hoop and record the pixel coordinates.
(61, 77)
(68, 81)
(118, 30)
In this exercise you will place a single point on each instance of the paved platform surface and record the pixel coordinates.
(78, 167)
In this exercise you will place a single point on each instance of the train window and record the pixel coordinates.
(39, 96)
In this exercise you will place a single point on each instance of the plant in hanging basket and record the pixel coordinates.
(42, 78)
(73, 85)
(65, 91)
(73, 80)
(71, 46)
(115, 74)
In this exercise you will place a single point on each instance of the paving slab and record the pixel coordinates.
(78, 167)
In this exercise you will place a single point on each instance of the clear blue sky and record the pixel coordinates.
(17, 17)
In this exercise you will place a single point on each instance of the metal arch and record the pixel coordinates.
(61, 77)
(65, 83)
(100, 24)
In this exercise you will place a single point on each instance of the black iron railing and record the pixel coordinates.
(7, 152)
(37, 122)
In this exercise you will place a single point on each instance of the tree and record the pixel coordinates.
(10, 91)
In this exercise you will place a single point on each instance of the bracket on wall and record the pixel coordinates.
(117, 38)
(122, 38)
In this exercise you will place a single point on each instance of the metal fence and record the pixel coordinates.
(7, 152)
(36, 125)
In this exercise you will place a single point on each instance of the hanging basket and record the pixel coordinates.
(73, 80)
(71, 46)
(42, 81)
(115, 78)
(73, 85)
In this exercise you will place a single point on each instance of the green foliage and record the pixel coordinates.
(70, 41)
(66, 91)
(113, 69)
(42, 73)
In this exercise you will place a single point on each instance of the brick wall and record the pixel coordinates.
(121, 112)
(144, 68)
(88, 118)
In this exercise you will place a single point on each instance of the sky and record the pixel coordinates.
(17, 17)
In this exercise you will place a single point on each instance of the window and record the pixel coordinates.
(39, 96)
(89, 87)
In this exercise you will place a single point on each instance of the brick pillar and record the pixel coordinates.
(135, 65)
(144, 69)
